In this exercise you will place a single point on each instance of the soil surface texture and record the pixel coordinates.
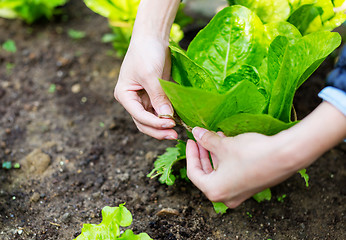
(79, 151)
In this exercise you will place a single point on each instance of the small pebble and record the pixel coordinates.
(35, 197)
(66, 217)
(96, 195)
(76, 88)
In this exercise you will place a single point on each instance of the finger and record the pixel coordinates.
(215, 161)
(221, 134)
(194, 167)
(205, 160)
(158, 98)
(233, 204)
(209, 140)
(239, 198)
(160, 134)
(132, 103)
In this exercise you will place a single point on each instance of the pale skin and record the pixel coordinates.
(148, 59)
(245, 164)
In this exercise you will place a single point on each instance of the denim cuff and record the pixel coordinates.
(334, 96)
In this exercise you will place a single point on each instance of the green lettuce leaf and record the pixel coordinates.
(305, 176)
(245, 72)
(274, 29)
(290, 64)
(201, 108)
(316, 15)
(219, 207)
(115, 10)
(264, 195)
(112, 219)
(222, 47)
(259, 123)
(129, 235)
(307, 15)
(269, 10)
(164, 163)
(187, 73)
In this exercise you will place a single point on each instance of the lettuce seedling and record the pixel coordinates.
(240, 75)
(9, 46)
(121, 15)
(29, 10)
(112, 219)
(165, 162)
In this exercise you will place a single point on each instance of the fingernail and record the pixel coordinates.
(165, 110)
(170, 138)
(198, 132)
(168, 125)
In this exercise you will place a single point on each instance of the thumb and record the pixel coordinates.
(207, 139)
(159, 100)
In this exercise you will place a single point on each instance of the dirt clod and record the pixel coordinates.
(36, 162)
(167, 212)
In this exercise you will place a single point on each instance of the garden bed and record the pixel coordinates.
(58, 114)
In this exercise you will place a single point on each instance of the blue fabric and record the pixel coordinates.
(337, 78)
(334, 96)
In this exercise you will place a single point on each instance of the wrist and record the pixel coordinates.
(155, 18)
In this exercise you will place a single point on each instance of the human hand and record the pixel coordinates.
(249, 163)
(243, 165)
(139, 90)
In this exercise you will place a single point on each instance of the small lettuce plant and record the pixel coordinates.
(29, 10)
(109, 229)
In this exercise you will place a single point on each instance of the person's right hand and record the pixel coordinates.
(139, 90)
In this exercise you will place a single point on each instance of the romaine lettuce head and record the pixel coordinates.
(239, 75)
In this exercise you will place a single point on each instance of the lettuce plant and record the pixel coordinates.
(240, 75)
(109, 229)
(29, 10)
(121, 15)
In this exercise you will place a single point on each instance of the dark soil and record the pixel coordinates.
(85, 152)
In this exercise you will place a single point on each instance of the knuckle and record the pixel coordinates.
(153, 70)
(157, 137)
(157, 98)
(140, 129)
(117, 94)
(189, 173)
(209, 140)
(215, 195)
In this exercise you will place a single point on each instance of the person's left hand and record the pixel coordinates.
(242, 166)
